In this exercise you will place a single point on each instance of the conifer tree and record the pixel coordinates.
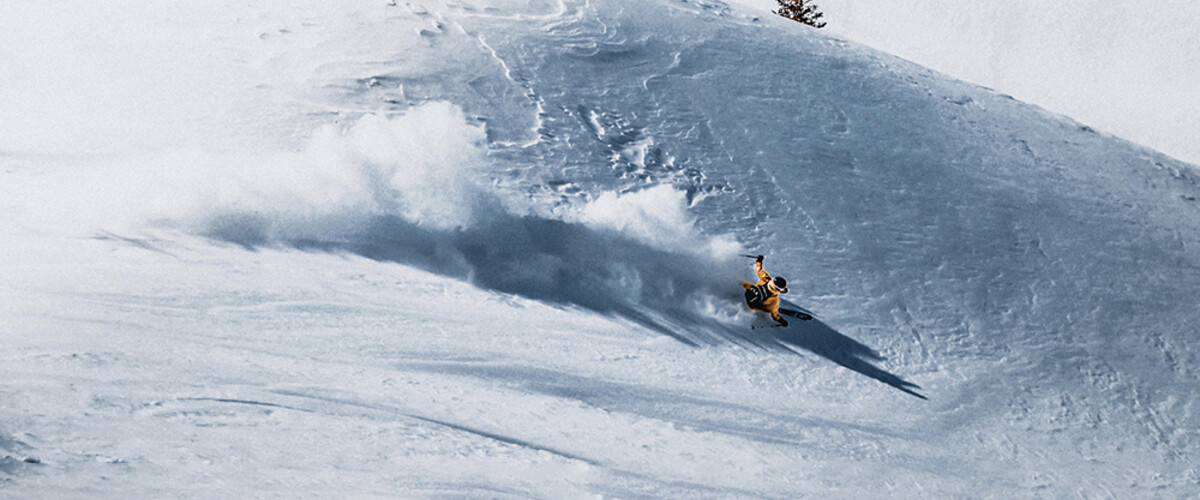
(801, 11)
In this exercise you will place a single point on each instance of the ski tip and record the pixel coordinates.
(796, 314)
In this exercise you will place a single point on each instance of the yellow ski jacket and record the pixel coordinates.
(763, 296)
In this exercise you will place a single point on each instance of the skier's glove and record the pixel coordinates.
(758, 259)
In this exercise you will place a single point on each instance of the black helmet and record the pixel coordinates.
(780, 284)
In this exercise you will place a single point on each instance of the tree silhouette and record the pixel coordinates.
(801, 11)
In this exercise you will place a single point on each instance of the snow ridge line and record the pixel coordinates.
(505, 439)
(395, 412)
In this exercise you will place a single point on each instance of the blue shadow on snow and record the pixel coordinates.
(568, 263)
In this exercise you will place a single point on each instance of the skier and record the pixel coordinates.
(764, 295)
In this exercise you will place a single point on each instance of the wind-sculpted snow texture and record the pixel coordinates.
(490, 249)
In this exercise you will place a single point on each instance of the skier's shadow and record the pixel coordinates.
(819, 338)
(570, 264)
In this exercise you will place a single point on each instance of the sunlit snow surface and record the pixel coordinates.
(1124, 66)
(489, 249)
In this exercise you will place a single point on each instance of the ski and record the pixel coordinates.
(796, 314)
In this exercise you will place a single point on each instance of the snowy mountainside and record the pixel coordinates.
(1127, 75)
(490, 250)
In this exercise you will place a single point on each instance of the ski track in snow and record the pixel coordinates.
(482, 250)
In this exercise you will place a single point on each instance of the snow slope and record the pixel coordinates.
(435, 249)
(1125, 67)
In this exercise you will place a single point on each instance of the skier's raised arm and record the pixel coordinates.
(763, 275)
